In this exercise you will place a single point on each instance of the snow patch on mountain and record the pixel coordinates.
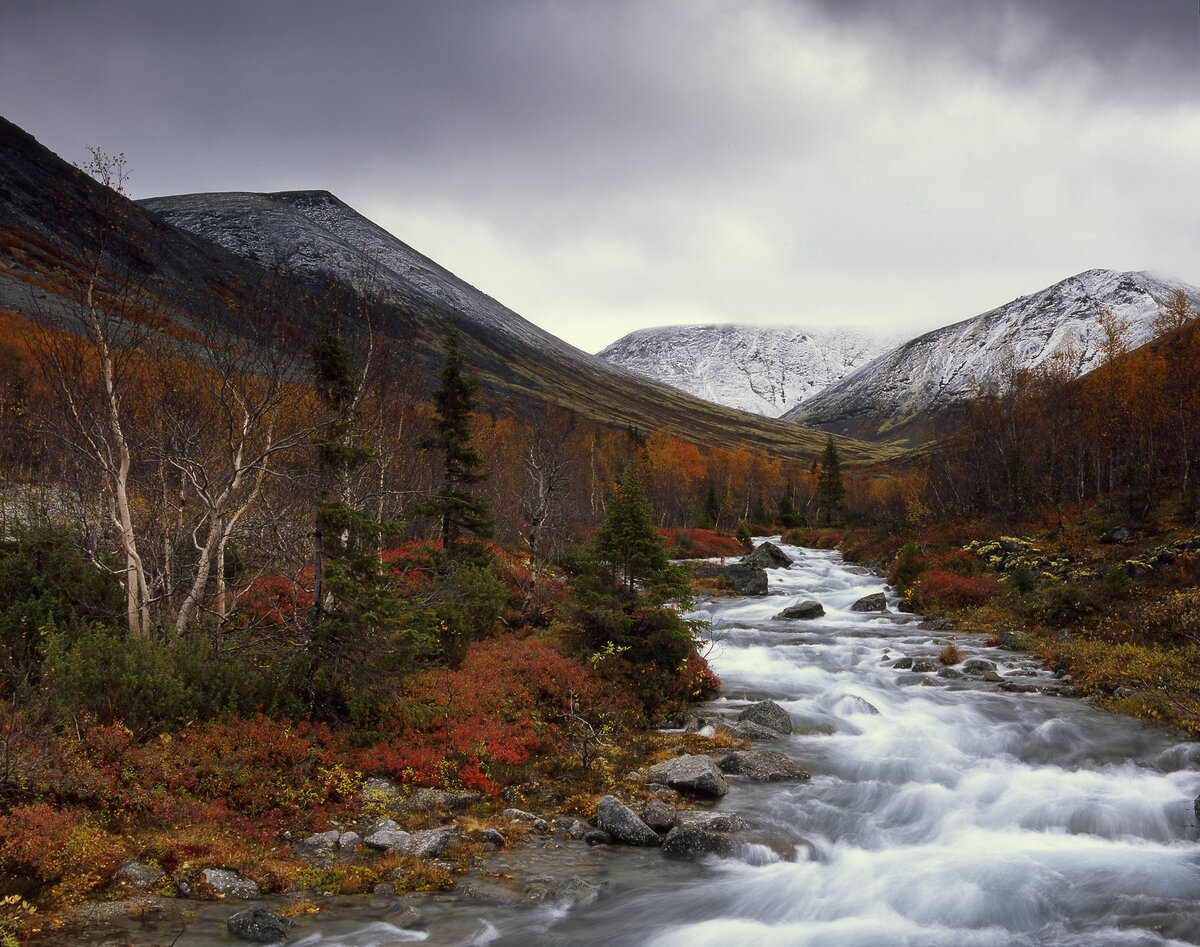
(946, 366)
(762, 369)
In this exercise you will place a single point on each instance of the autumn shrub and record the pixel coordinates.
(1062, 605)
(477, 726)
(1171, 620)
(937, 591)
(950, 655)
(699, 544)
(50, 854)
(906, 567)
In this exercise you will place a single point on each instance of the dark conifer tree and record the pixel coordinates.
(831, 491)
(459, 510)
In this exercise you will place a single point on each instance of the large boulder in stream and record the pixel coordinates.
(690, 775)
(875, 602)
(623, 824)
(767, 713)
(692, 843)
(763, 766)
(744, 580)
(260, 926)
(767, 556)
(802, 611)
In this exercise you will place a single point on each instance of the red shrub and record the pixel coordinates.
(698, 544)
(937, 590)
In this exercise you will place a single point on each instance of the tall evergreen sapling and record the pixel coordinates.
(831, 491)
(459, 510)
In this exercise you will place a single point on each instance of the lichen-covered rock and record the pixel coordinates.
(433, 843)
(260, 926)
(348, 841)
(691, 843)
(875, 602)
(801, 611)
(494, 837)
(926, 665)
(902, 664)
(767, 713)
(749, 730)
(320, 844)
(138, 874)
(978, 666)
(658, 815)
(387, 836)
(623, 824)
(711, 821)
(229, 884)
(762, 765)
(766, 556)
(691, 775)
(744, 580)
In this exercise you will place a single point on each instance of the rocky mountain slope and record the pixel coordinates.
(762, 369)
(915, 389)
(219, 254)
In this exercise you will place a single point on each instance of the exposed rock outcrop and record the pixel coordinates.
(767, 713)
(690, 775)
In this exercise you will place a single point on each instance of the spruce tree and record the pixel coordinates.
(831, 491)
(459, 510)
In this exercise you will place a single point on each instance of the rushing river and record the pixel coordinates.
(942, 811)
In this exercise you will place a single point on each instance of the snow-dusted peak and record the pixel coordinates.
(945, 367)
(762, 369)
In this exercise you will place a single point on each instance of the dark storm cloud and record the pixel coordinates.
(1139, 49)
(604, 164)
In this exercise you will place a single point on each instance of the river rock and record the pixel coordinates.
(690, 775)
(950, 673)
(744, 580)
(925, 665)
(692, 843)
(762, 765)
(937, 624)
(902, 664)
(623, 824)
(802, 611)
(710, 821)
(876, 602)
(978, 666)
(767, 713)
(433, 843)
(766, 556)
(598, 837)
(320, 844)
(658, 815)
(494, 837)
(260, 926)
(749, 730)
(230, 884)
(137, 874)
(348, 841)
(387, 836)
(518, 815)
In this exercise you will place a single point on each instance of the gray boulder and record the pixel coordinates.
(749, 730)
(762, 766)
(347, 841)
(766, 556)
(623, 824)
(138, 874)
(802, 611)
(387, 836)
(260, 926)
(767, 713)
(876, 602)
(902, 664)
(978, 666)
(926, 665)
(492, 836)
(690, 775)
(658, 815)
(745, 580)
(320, 844)
(433, 843)
(230, 884)
(692, 843)
(711, 821)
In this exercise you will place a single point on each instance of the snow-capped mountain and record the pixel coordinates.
(314, 232)
(762, 369)
(909, 389)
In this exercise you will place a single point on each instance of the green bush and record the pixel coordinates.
(153, 686)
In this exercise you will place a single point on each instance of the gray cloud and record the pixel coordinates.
(604, 165)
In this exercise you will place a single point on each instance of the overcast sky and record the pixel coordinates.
(605, 165)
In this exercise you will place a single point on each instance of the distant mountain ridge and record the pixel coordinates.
(761, 369)
(914, 389)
